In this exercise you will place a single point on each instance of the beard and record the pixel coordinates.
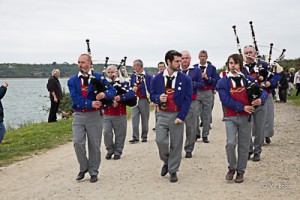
(174, 68)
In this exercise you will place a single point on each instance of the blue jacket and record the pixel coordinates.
(223, 88)
(143, 88)
(182, 94)
(78, 102)
(196, 75)
(212, 73)
(128, 95)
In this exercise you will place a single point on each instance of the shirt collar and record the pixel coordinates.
(81, 74)
(166, 73)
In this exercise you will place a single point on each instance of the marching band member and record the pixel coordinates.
(140, 83)
(263, 125)
(205, 95)
(191, 119)
(233, 95)
(114, 120)
(172, 91)
(87, 120)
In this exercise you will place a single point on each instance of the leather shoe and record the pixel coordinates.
(268, 140)
(230, 174)
(133, 141)
(173, 177)
(188, 154)
(108, 156)
(80, 176)
(117, 157)
(205, 140)
(93, 179)
(164, 170)
(256, 157)
(197, 137)
(239, 178)
(144, 140)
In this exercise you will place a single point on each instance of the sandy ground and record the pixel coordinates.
(136, 175)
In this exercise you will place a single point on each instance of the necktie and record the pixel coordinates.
(169, 81)
(202, 68)
(237, 81)
(85, 79)
(185, 71)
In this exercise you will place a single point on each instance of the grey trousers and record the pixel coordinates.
(269, 125)
(88, 124)
(238, 133)
(190, 127)
(258, 129)
(143, 110)
(114, 126)
(205, 102)
(169, 139)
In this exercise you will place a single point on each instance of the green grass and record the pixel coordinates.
(294, 99)
(31, 139)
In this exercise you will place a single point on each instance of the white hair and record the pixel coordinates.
(54, 71)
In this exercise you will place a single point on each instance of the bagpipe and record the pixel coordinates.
(253, 90)
(118, 85)
(98, 85)
(263, 74)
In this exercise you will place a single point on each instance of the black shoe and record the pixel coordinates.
(188, 154)
(133, 141)
(164, 170)
(197, 137)
(117, 157)
(230, 174)
(205, 140)
(108, 156)
(173, 177)
(144, 140)
(93, 179)
(153, 129)
(209, 126)
(201, 124)
(268, 140)
(256, 157)
(239, 178)
(81, 175)
(249, 155)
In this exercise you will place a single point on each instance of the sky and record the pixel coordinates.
(47, 31)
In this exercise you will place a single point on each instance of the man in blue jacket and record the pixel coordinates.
(140, 84)
(172, 91)
(206, 94)
(191, 119)
(87, 120)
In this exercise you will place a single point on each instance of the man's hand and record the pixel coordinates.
(256, 102)
(135, 88)
(152, 104)
(100, 96)
(163, 97)
(267, 84)
(249, 109)
(178, 121)
(55, 100)
(204, 75)
(117, 98)
(96, 104)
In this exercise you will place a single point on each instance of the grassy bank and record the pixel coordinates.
(29, 140)
(294, 99)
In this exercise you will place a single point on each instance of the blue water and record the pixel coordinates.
(26, 100)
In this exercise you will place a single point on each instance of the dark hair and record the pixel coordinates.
(237, 58)
(161, 63)
(171, 54)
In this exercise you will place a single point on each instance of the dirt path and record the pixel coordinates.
(137, 174)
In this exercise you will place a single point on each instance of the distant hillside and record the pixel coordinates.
(13, 70)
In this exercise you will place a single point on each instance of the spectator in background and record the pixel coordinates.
(3, 90)
(54, 88)
(291, 81)
(283, 86)
(297, 81)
